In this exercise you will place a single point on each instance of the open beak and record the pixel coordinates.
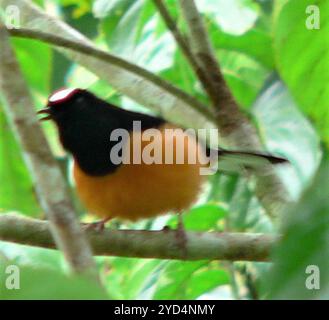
(45, 111)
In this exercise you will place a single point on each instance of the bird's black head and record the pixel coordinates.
(66, 105)
(85, 123)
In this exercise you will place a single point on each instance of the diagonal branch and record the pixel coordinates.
(49, 183)
(234, 126)
(147, 244)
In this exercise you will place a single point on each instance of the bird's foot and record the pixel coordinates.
(166, 228)
(98, 226)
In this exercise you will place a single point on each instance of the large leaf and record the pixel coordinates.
(305, 243)
(31, 55)
(303, 58)
(16, 192)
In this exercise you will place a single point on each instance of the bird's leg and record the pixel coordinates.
(181, 235)
(97, 226)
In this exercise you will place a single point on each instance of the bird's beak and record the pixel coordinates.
(45, 111)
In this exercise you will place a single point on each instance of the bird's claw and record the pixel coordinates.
(97, 226)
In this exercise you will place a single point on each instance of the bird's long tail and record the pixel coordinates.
(231, 160)
(265, 156)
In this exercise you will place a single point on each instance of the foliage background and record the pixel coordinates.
(277, 70)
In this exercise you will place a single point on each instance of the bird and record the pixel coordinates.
(109, 184)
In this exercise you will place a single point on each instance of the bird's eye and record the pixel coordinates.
(79, 99)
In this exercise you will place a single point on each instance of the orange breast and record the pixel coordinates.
(143, 190)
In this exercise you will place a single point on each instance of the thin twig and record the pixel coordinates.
(49, 183)
(114, 60)
(147, 244)
(183, 44)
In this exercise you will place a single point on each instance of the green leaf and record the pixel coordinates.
(139, 276)
(155, 50)
(302, 56)
(188, 280)
(204, 217)
(180, 73)
(305, 243)
(16, 192)
(81, 7)
(174, 279)
(261, 49)
(120, 25)
(134, 31)
(206, 280)
(127, 277)
(35, 60)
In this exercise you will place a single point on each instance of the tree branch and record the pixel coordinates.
(234, 126)
(48, 181)
(114, 60)
(147, 244)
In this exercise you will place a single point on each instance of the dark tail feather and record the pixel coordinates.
(269, 157)
(234, 161)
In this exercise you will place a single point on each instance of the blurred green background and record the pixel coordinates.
(277, 70)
